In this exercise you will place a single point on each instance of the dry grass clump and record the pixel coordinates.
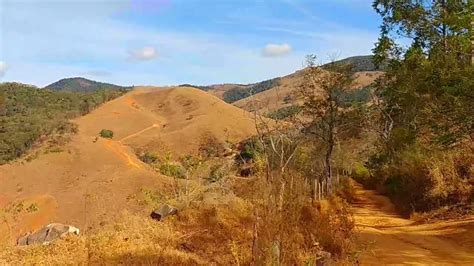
(269, 224)
(290, 229)
(69, 251)
(139, 240)
(199, 235)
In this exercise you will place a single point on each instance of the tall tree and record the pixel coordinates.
(428, 87)
(323, 93)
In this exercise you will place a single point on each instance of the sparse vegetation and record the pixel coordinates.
(172, 170)
(236, 94)
(29, 114)
(106, 133)
(285, 112)
(210, 146)
(360, 63)
(204, 88)
(148, 157)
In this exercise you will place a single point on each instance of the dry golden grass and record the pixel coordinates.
(220, 230)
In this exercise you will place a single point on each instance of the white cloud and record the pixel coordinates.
(3, 68)
(275, 50)
(143, 54)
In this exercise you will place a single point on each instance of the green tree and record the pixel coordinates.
(428, 89)
(323, 92)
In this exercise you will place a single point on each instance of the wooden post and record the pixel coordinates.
(472, 36)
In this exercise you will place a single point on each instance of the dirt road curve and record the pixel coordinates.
(391, 239)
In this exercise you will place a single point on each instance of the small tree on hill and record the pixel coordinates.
(106, 133)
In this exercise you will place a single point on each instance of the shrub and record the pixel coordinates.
(249, 150)
(217, 173)
(210, 146)
(361, 174)
(148, 157)
(172, 170)
(420, 181)
(285, 112)
(106, 133)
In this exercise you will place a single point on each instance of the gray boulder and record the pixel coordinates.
(47, 234)
(163, 211)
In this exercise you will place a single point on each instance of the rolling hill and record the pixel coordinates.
(232, 93)
(361, 63)
(105, 174)
(285, 93)
(82, 85)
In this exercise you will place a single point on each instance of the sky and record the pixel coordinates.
(169, 42)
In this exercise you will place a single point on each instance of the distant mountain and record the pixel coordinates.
(82, 85)
(203, 88)
(238, 93)
(360, 63)
(235, 93)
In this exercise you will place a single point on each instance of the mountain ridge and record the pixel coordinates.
(80, 84)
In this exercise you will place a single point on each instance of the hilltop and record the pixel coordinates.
(78, 84)
(284, 94)
(233, 93)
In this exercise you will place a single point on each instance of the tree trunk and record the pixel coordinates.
(444, 26)
(329, 166)
(472, 37)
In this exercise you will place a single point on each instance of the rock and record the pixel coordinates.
(47, 234)
(323, 258)
(228, 152)
(163, 211)
(246, 171)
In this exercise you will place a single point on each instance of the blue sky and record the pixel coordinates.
(165, 42)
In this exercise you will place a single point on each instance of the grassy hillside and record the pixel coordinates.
(237, 93)
(82, 85)
(361, 63)
(204, 88)
(28, 113)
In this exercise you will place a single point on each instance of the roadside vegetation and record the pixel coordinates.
(29, 115)
(422, 107)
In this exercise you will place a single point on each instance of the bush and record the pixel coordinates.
(361, 174)
(172, 170)
(148, 157)
(285, 112)
(420, 181)
(106, 133)
(249, 150)
(217, 173)
(210, 146)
